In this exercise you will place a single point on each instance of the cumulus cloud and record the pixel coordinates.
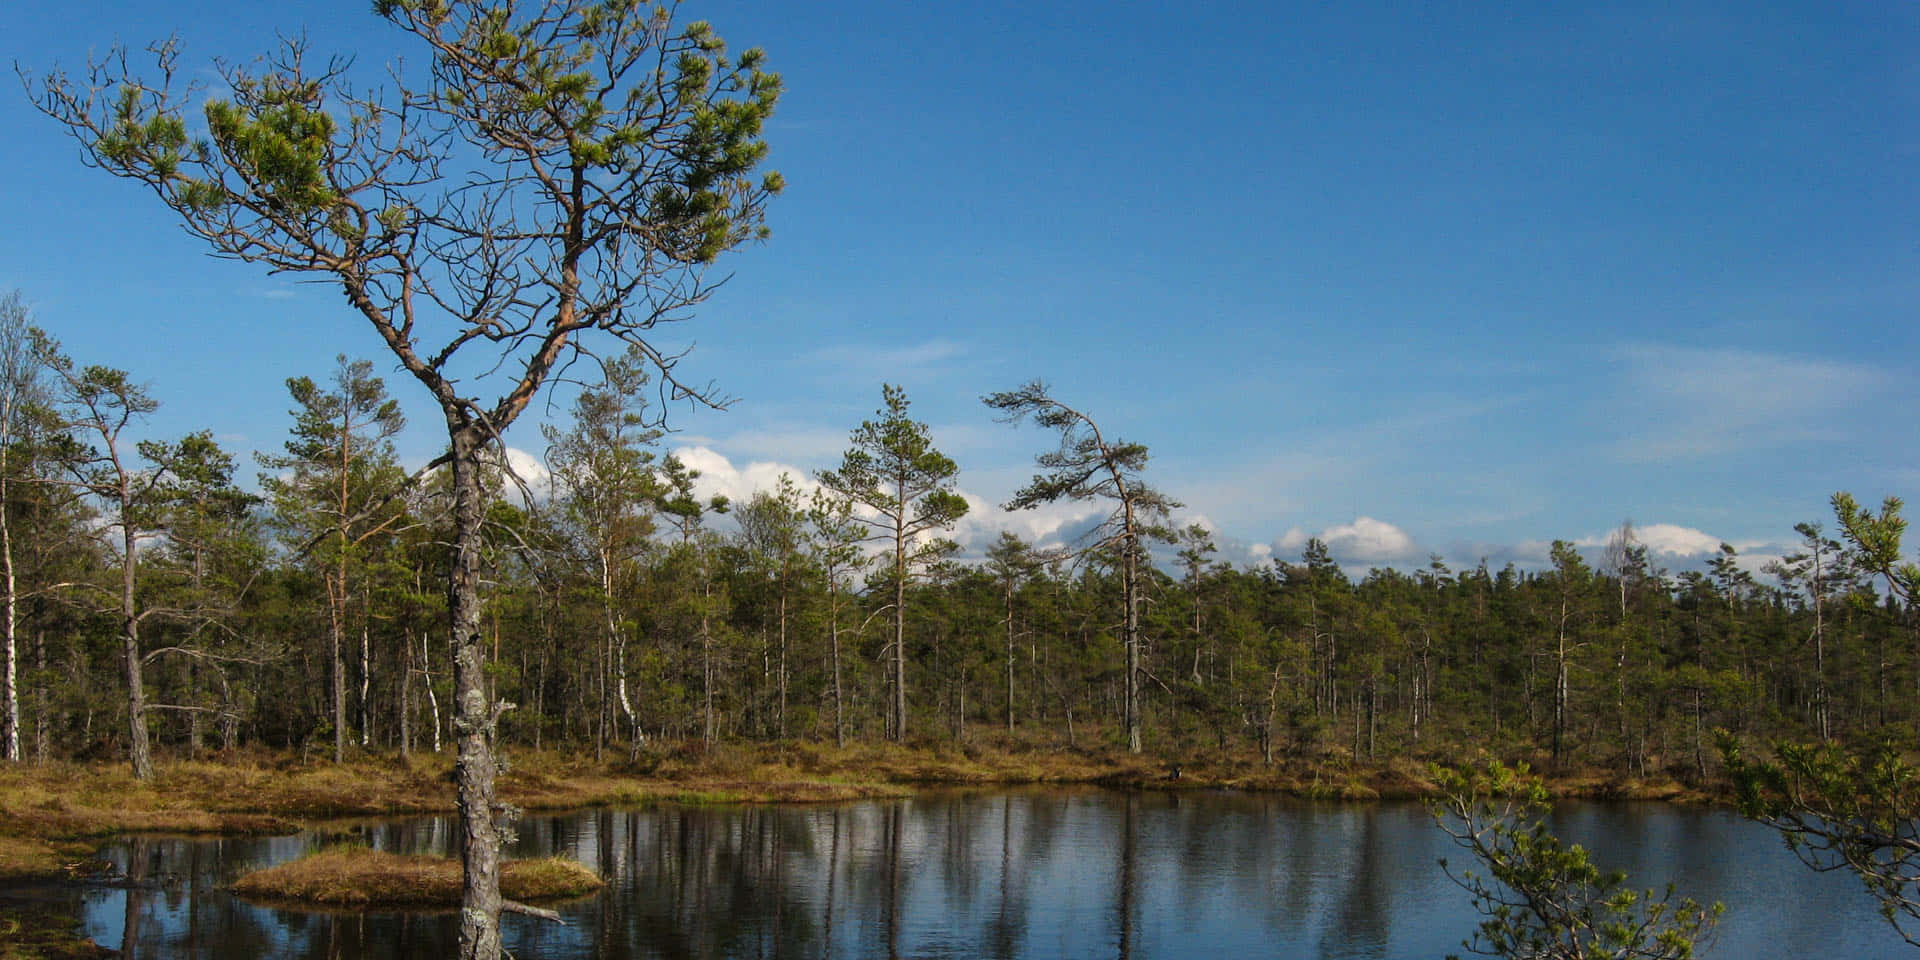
(1051, 525)
(1673, 540)
(1228, 549)
(527, 471)
(1364, 541)
(718, 475)
(1182, 521)
(1676, 541)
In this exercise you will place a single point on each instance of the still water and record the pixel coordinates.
(1014, 874)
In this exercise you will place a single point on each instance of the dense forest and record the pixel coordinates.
(152, 597)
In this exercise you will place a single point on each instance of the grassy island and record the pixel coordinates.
(356, 876)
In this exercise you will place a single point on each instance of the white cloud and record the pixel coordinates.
(1290, 542)
(718, 475)
(1050, 525)
(1181, 521)
(1367, 540)
(526, 469)
(1364, 541)
(1675, 541)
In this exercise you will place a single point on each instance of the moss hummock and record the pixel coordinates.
(354, 876)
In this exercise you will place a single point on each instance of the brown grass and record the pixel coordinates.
(46, 811)
(352, 876)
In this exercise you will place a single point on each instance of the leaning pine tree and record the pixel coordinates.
(1089, 465)
(564, 171)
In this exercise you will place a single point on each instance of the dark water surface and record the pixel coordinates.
(1019, 874)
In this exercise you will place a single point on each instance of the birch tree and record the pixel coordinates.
(21, 388)
(604, 469)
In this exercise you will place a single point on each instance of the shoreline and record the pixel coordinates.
(53, 817)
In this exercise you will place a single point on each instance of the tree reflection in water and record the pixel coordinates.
(1011, 875)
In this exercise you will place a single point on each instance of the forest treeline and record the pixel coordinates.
(150, 596)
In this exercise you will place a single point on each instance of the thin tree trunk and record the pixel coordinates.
(899, 722)
(1560, 683)
(336, 629)
(617, 644)
(229, 722)
(426, 683)
(1010, 659)
(406, 687)
(833, 627)
(711, 733)
(1130, 586)
(783, 653)
(10, 688)
(139, 747)
(41, 705)
(1819, 647)
(366, 683)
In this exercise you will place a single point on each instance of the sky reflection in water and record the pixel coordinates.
(1020, 874)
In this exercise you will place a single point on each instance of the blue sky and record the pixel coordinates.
(1458, 279)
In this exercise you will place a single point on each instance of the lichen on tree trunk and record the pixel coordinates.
(481, 817)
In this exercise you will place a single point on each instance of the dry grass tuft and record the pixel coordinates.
(351, 876)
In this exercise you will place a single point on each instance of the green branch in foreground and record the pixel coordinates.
(1840, 810)
(1544, 899)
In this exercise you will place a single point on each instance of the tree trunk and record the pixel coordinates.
(1130, 586)
(10, 691)
(40, 700)
(336, 628)
(426, 683)
(1560, 683)
(406, 686)
(1819, 648)
(711, 732)
(229, 722)
(899, 722)
(783, 654)
(475, 716)
(1010, 658)
(833, 627)
(139, 748)
(366, 684)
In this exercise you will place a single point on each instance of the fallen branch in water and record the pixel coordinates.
(514, 906)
